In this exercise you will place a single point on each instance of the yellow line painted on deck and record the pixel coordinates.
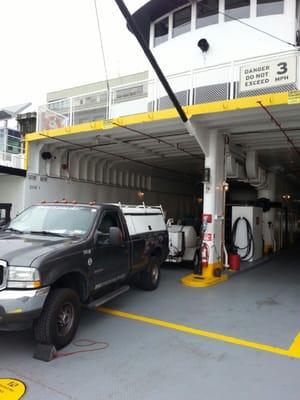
(292, 351)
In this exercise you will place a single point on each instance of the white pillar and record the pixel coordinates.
(213, 202)
(213, 146)
(34, 154)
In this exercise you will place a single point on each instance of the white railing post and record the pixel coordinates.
(191, 89)
(71, 119)
(156, 102)
(109, 103)
(298, 71)
(232, 80)
(5, 136)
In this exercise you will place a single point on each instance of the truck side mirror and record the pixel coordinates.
(115, 236)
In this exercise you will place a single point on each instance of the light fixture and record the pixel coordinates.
(206, 175)
(140, 195)
(225, 186)
(286, 196)
(203, 45)
(46, 155)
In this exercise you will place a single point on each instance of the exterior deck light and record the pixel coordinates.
(203, 45)
(140, 195)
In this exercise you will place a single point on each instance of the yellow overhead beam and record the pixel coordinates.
(198, 109)
(68, 130)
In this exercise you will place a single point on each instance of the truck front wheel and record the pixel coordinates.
(149, 278)
(59, 320)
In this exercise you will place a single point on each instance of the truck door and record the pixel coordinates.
(111, 262)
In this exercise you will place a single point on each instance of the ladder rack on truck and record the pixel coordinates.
(140, 209)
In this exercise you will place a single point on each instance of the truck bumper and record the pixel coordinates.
(18, 308)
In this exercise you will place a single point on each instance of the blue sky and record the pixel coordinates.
(48, 45)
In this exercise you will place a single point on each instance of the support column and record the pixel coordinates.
(34, 157)
(213, 215)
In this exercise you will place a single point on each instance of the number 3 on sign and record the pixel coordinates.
(11, 389)
(283, 69)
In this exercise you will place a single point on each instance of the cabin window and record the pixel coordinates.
(182, 21)
(161, 31)
(236, 9)
(269, 7)
(207, 13)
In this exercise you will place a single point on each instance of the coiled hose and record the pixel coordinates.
(249, 236)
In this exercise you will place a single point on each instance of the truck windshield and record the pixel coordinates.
(55, 220)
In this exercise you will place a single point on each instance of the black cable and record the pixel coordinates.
(102, 49)
(145, 47)
(83, 343)
(248, 25)
(249, 236)
(282, 130)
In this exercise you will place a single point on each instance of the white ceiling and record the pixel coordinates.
(171, 148)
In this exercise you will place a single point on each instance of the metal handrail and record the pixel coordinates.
(157, 92)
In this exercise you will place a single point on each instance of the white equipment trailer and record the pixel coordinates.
(184, 244)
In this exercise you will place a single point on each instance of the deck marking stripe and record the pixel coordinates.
(293, 351)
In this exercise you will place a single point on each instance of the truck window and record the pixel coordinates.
(110, 219)
(65, 220)
(2, 216)
(2, 213)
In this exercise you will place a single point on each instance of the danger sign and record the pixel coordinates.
(11, 389)
(268, 73)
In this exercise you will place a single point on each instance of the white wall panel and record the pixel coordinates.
(175, 204)
(12, 192)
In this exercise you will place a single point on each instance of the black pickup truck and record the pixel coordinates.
(54, 257)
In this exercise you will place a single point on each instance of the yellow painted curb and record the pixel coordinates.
(198, 281)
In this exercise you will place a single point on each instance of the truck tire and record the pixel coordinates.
(59, 320)
(150, 277)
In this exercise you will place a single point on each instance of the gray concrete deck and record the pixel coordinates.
(145, 361)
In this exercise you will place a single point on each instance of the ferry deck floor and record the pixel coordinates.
(149, 359)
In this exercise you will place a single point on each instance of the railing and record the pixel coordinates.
(12, 160)
(11, 149)
(203, 85)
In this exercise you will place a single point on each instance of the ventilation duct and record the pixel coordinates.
(230, 166)
(262, 180)
(252, 165)
(234, 169)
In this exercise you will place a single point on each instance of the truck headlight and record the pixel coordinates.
(23, 278)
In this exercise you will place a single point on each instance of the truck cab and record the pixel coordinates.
(56, 256)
